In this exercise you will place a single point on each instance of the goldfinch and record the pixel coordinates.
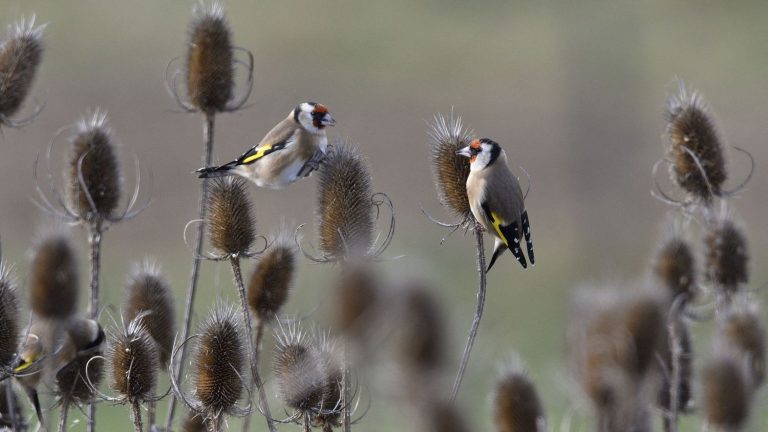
(82, 337)
(496, 199)
(28, 370)
(290, 151)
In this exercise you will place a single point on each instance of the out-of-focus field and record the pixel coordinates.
(574, 91)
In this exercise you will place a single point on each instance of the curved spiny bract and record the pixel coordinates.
(726, 394)
(210, 61)
(149, 295)
(695, 147)
(271, 279)
(743, 332)
(675, 267)
(20, 56)
(450, 171)
(726, 256)
(53, 279)
(516, 403)
(134, 362)
(9, 318)
(231, 225)
(344, 205)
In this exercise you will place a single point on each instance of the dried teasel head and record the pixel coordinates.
(20, 56)
(356, 297)
(675, 267)
(93, 173)
(220, 362)
(9, 318)
(78, 362)
(421, 339)
(210, 60)
(726, 256)
(53, 279)
(231, 225)
(685, 371)
(344, 206)
(149, 296)
(726, 394)
(516, 403)
(327, 415)
(301, 373)
(695, 147)
(271, 279)
(134, 362)
(744, 334)
(450, 171)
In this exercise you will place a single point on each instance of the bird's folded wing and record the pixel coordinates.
(264, 149)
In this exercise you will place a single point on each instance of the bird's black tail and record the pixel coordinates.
(218, 171)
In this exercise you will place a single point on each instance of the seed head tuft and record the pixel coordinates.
(134, 362)
(271, 280)
(675, 267)
(725, 392)
(691, 131)
(149, 295)
(344, 206)
(210, 72)
(9, 317)
(743, 332)
(93, 177)
(517, 404)
(450, 171)
(231, 223)
(53, 279)
(726, 256)
(20, 56)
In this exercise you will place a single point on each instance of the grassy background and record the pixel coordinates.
(573, 91)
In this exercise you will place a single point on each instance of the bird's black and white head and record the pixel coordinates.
(313, 117)
(482, 153)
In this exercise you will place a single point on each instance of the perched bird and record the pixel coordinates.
(290, 151)
(83, 338)
(28, 370)
(496, 199)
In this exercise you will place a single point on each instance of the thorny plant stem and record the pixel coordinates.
(193, 277)
(263, 405)
(63, 418)
(257, 349)
(94, 239)
(136, 410)
(478, 311)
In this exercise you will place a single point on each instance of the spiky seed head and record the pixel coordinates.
(675, 267)
(516, 403)
(210, 71)
(743, 332)
(344, 206)
(643, 320)
(149, 295)
(442, 416)
(93, 174)
(726, 395)
(9, 317)
(685, 371)
(231, 225)
(220, 362)
(422, 340)
(20, 56)
(271, 280)
(450, 171)
(726, 256)
(53, 279)
(356, 294)
(691, 131)
(193, 422)
(134, 362)
(300, 372)
(328, 414)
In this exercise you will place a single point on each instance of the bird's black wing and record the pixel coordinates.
(508, 233)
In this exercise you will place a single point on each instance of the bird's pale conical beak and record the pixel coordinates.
(464, 152)
(328, 120)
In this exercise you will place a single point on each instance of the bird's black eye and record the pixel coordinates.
(474, 150)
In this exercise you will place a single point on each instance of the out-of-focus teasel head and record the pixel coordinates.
(726, 256)
(78, 363)
(674, 266)
(149, 298)
(20, 55)
(53, 278)
(744, 334)
(231, 224)
(193, 422)
(219, 367)
(420, 339)
(271, 280)
(133, 362)
(726, 395)
(441, 416)
(10, 325)
(356, 297)
(516, 402)
(210, 63)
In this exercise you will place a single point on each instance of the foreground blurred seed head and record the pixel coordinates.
(327, 415)
(20, 56)
(193, 422)
(149, 296)
(231, 225)
(422, 331)
(53, 279)
(441, 416)
(344, 207)
(134, 362)
(726, 395)
(450, 171)
(9, 318)
(699, 164)
(271, 280)
(675, 267)
(93, 175)
(726, 256)
(516, 403)
(355, 300)
(745, 335)
(210, 72)
(301, 374)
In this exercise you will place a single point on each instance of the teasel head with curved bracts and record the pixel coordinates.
(271, 280)
(449, 170)
(231, 223)
(20, 55)
(133, 361)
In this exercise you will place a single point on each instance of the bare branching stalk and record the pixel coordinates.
(136, 414)
(208, 128)
(94, 240)
(478, 311)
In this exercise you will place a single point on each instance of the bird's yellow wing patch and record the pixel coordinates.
(258, 154)
(496, 222)
(23, 366)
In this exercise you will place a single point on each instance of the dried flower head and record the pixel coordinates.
(699, 163)
(9, 318)
(271, 280)
(300, 371)
(149, 295)
(53, 279)
(726, 256)
(422, 340)
(134, 362)
(220, 362)
(327, 415)
(344, 206)
(744, 334)
(726, 395)
(20, 56)
(193, 422)
(356, 294)
(450, 171)
(93, 176)
(231, 224)
(516, 402)
(685, 372)
(675, 267)
(210, 61)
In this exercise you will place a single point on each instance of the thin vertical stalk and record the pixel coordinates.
(345, 385)
(257, 337)
(672, 417)
(478, 311)
(63, 418)
(136, 410)
(94, 240)
(10, 397)
(208, 127)
(263, 405)
(307, 427)
(152, 414)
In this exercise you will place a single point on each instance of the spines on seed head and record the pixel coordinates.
(134, 362)
(450, 171)
(210, 60)
(231, 224)
(20, 57)
(272, 278)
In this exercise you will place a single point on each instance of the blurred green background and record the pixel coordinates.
(574, 91)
